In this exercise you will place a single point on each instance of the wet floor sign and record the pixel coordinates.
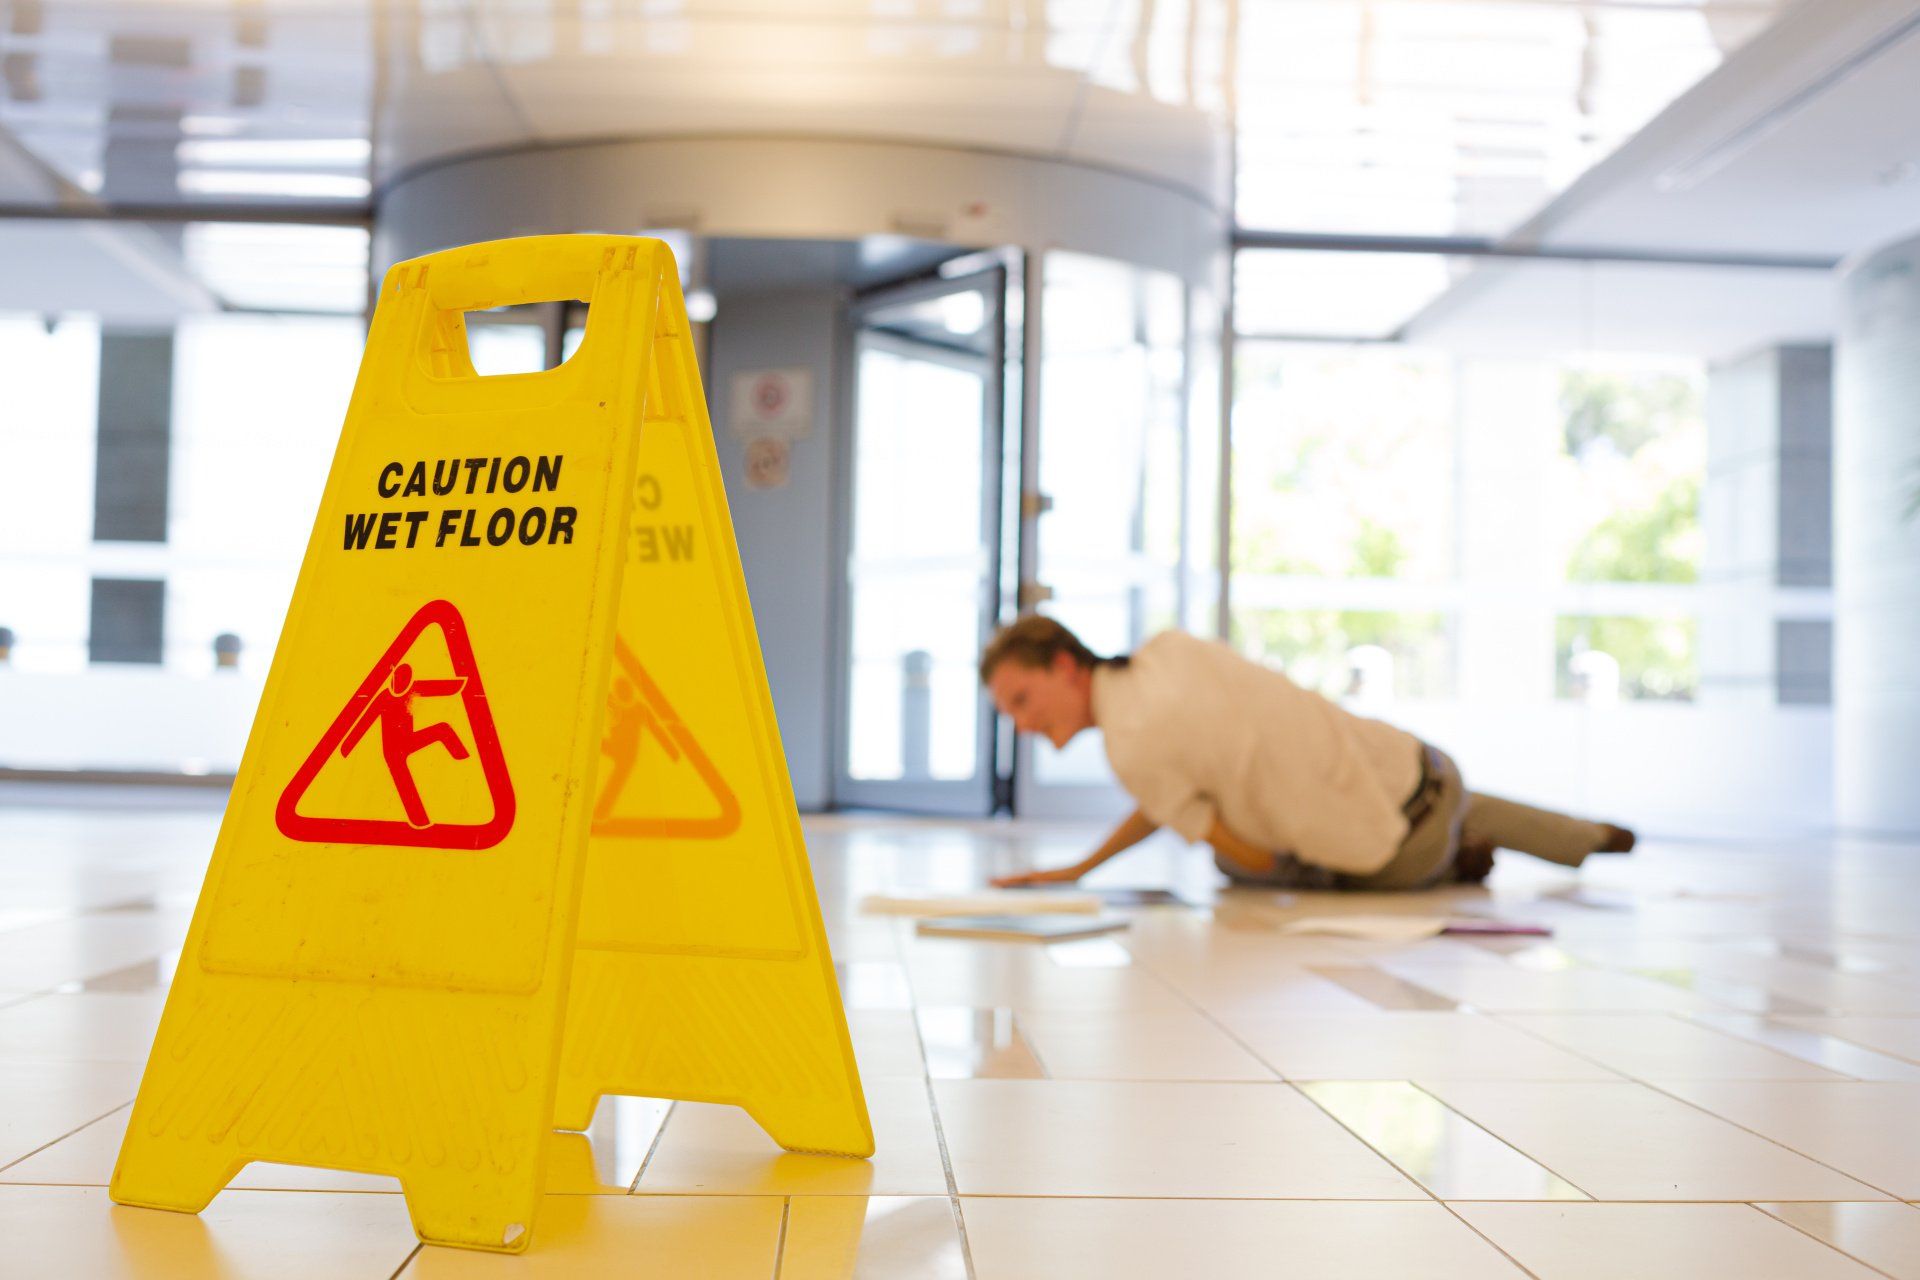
(513, 828)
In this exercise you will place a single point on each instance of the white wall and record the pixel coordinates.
(786, 535)
(116, 718)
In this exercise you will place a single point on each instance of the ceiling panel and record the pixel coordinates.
(1429, 117)
(1806, 147)
(573, 78)
(1521, 308)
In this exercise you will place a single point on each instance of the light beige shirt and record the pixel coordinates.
(1194, 731)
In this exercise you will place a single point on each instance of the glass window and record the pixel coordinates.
(258, 403)
(1607, 660)
(1633, 456)
(1342, 462)
(919, 561)
(1113, 387)
(497, 348)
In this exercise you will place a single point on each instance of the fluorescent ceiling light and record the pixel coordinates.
(293, 153)
(243, 182)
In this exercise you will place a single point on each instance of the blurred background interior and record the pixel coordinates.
(1542, 375)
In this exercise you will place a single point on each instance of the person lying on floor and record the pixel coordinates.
(1291, 790)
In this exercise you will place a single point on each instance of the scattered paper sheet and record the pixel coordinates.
(1410, 928)
(1372, 928)
(1051, 927)
(995, 902)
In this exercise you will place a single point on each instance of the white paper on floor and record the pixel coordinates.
(1372, 928)
(989, 903)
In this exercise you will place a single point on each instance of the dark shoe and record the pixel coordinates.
(1472, 863)
(1618, 840)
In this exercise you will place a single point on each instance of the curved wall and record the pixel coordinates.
(1877, 543)
(800, 189)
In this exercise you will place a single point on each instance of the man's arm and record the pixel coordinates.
(1131, 831)
(1250, 858)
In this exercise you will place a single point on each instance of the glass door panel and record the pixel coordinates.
(923, 550)
(1113, 470)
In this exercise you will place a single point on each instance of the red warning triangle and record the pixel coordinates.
(637, 710)
(381, 718)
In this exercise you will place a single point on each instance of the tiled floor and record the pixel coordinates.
(1712, 1068)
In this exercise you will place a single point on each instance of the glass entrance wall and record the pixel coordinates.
(1571, 527)
(919, 563)
(1128, 471)
(160, 465)
(923, 544)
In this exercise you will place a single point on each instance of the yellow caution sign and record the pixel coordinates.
(515, 781)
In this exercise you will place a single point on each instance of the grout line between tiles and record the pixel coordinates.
(1764, 1047)
(68, 1134)
(1656, 1088)
(406, 1261)
(1828, 1243)
(1848, 1040)
(1026, 1038)
(1452, 1110)
(1218, 1025)
(1358, 1137)
(1268, 1199)
(1492, 1243)
(780, 1244)
(940, 1138)
(633, 1188)
(1298, 1092)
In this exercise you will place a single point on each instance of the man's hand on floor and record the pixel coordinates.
(1053, 875)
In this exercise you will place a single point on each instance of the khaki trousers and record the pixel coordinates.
(1452, 816)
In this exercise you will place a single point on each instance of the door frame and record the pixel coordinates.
(975, 796)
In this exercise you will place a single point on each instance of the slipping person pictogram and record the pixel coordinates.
(628, 718)
(387, 698)
(400, 740)
(636, 708)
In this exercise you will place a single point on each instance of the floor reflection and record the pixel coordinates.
(977, 1044)
(1383, 989)
(872, 1238)
(148, 975)
(608, 1157)
(1436, 1146)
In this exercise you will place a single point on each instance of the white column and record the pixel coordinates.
(1768, 514)
(1877, 543)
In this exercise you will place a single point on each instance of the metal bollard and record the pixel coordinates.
(916, 715)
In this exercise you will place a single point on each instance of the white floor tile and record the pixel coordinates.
(81, 1028)
(1864, 1129)
(877, 1238)
(1108, 1138)
(716, 1150)
(1656, 1242)
(42, 1102)
(244, 1235)
(1407, 1046)
(1646, 1046)
(1064, 1239)
(1886, 1236)
(1629, 1142)
(1440, 1149)
(1172, 1045)
(629, 1238)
